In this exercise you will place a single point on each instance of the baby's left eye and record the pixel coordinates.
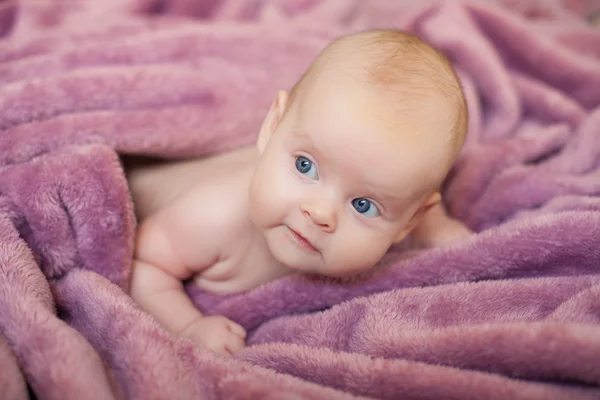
(306, 167)
(365, 207)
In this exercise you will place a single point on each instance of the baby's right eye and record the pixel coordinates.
(306, 167)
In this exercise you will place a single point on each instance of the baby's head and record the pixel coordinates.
(354, 156)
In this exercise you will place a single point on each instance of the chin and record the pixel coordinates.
(293, 259)
(297, 264)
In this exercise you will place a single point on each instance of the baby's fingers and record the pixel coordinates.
(234, 343)
(237, 329)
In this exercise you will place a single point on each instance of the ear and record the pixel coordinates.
(432, 200)
(272, 119)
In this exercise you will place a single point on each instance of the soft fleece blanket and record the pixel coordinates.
(512, 313)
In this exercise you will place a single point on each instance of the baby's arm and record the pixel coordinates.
(167, 244)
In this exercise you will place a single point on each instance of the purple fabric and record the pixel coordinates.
(513, 312)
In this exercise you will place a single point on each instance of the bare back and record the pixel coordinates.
(155, 184)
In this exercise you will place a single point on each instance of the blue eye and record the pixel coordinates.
(306, 167)
(365, 207)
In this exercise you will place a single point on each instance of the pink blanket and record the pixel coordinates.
(513, 313)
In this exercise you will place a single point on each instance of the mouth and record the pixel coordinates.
(302, 242)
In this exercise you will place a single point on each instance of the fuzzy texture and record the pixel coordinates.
(513, 312)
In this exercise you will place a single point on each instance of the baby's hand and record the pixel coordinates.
(217, 333)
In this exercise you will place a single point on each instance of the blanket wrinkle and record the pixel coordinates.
(546, 104)
(385, 378)
(510, 313)
(579, 155)
(586, 302)
(546, 61)
(59, 210)
(488, 161)
(53, 357)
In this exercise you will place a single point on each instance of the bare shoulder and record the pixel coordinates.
(203, 219)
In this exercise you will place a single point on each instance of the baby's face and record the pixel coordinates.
(337, 183)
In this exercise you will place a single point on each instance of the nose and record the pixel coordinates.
(321, 215)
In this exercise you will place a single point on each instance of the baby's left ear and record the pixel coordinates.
(433, 200)
(272, 119)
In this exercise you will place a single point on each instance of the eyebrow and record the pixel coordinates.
(394, 200)
(386, 202)
(304, 136)
(300, 133)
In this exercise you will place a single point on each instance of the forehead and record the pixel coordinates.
(357, 131)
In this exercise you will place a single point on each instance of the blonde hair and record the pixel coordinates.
(394, 60)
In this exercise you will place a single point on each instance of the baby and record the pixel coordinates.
(347, 164)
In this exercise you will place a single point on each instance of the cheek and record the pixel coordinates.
(271, 191)
(359, 249)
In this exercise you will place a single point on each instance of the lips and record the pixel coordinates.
(302, 241)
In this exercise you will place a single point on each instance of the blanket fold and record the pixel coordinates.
(513, 312)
